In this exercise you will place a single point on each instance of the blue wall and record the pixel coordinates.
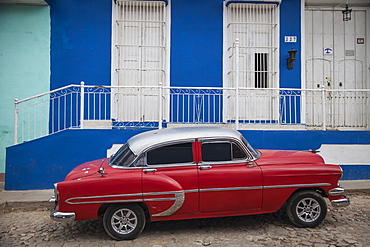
(40, 163)
(301, 139)
(290, 25)
(80, 42)
(196, 43)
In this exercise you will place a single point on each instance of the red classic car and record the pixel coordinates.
(188, 173)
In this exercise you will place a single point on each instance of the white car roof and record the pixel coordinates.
(142, 141)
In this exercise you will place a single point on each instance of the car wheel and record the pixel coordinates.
(306, 209)
(124, 222)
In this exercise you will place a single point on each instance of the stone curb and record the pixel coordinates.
(8, 207)
(32, 200)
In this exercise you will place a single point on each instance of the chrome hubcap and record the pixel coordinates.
(308, 210)
(124, 221)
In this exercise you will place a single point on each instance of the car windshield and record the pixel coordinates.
(123, 157)
(256, 154)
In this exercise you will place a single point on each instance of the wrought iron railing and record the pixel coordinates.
(108, 107)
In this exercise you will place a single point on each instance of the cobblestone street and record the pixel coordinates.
(348, 226)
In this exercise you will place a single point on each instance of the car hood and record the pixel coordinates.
(271, 157)
(87, 169)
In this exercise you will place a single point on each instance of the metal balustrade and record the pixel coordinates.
(119, 107)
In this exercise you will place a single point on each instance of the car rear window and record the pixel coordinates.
(171, 154)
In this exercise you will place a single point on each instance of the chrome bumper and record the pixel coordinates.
(52, 199)
(60, 216)
(344, 202)
(340, 202)
(336, 191)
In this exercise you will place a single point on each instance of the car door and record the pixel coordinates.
(170, 179)
(227, 180)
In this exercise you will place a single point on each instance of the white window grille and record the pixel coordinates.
(139, 58)
(256, 27)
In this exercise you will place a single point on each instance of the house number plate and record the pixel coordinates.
(291, 39)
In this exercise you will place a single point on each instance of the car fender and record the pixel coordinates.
(169, 192)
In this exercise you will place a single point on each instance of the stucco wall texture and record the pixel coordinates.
(24, 62)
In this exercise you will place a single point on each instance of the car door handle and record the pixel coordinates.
(205, 167)
(149, 170)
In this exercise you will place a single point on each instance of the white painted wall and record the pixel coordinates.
(345, 154)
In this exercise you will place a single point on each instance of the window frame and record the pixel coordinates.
(116, 160)
(248, 156)
(166, 30)
(145, 158)
(273, 57)
(139, 95)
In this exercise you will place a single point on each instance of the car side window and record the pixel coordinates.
(171, 154)
(221, 151)
(140, 162)
(216, 151)
(237, 152)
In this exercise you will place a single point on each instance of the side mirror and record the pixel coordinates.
(101, 171)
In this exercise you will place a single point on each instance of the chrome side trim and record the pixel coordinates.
(179, 198)
(336, 191)
(153, 166)
(97, 197)
(179, 201)
(113, 201)
(232, 188)
(159, 199)
(62, 217)
(191, 191)
(264, 187)
(169, 192)
(69, 201)
(294, 185)
(341, 202)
